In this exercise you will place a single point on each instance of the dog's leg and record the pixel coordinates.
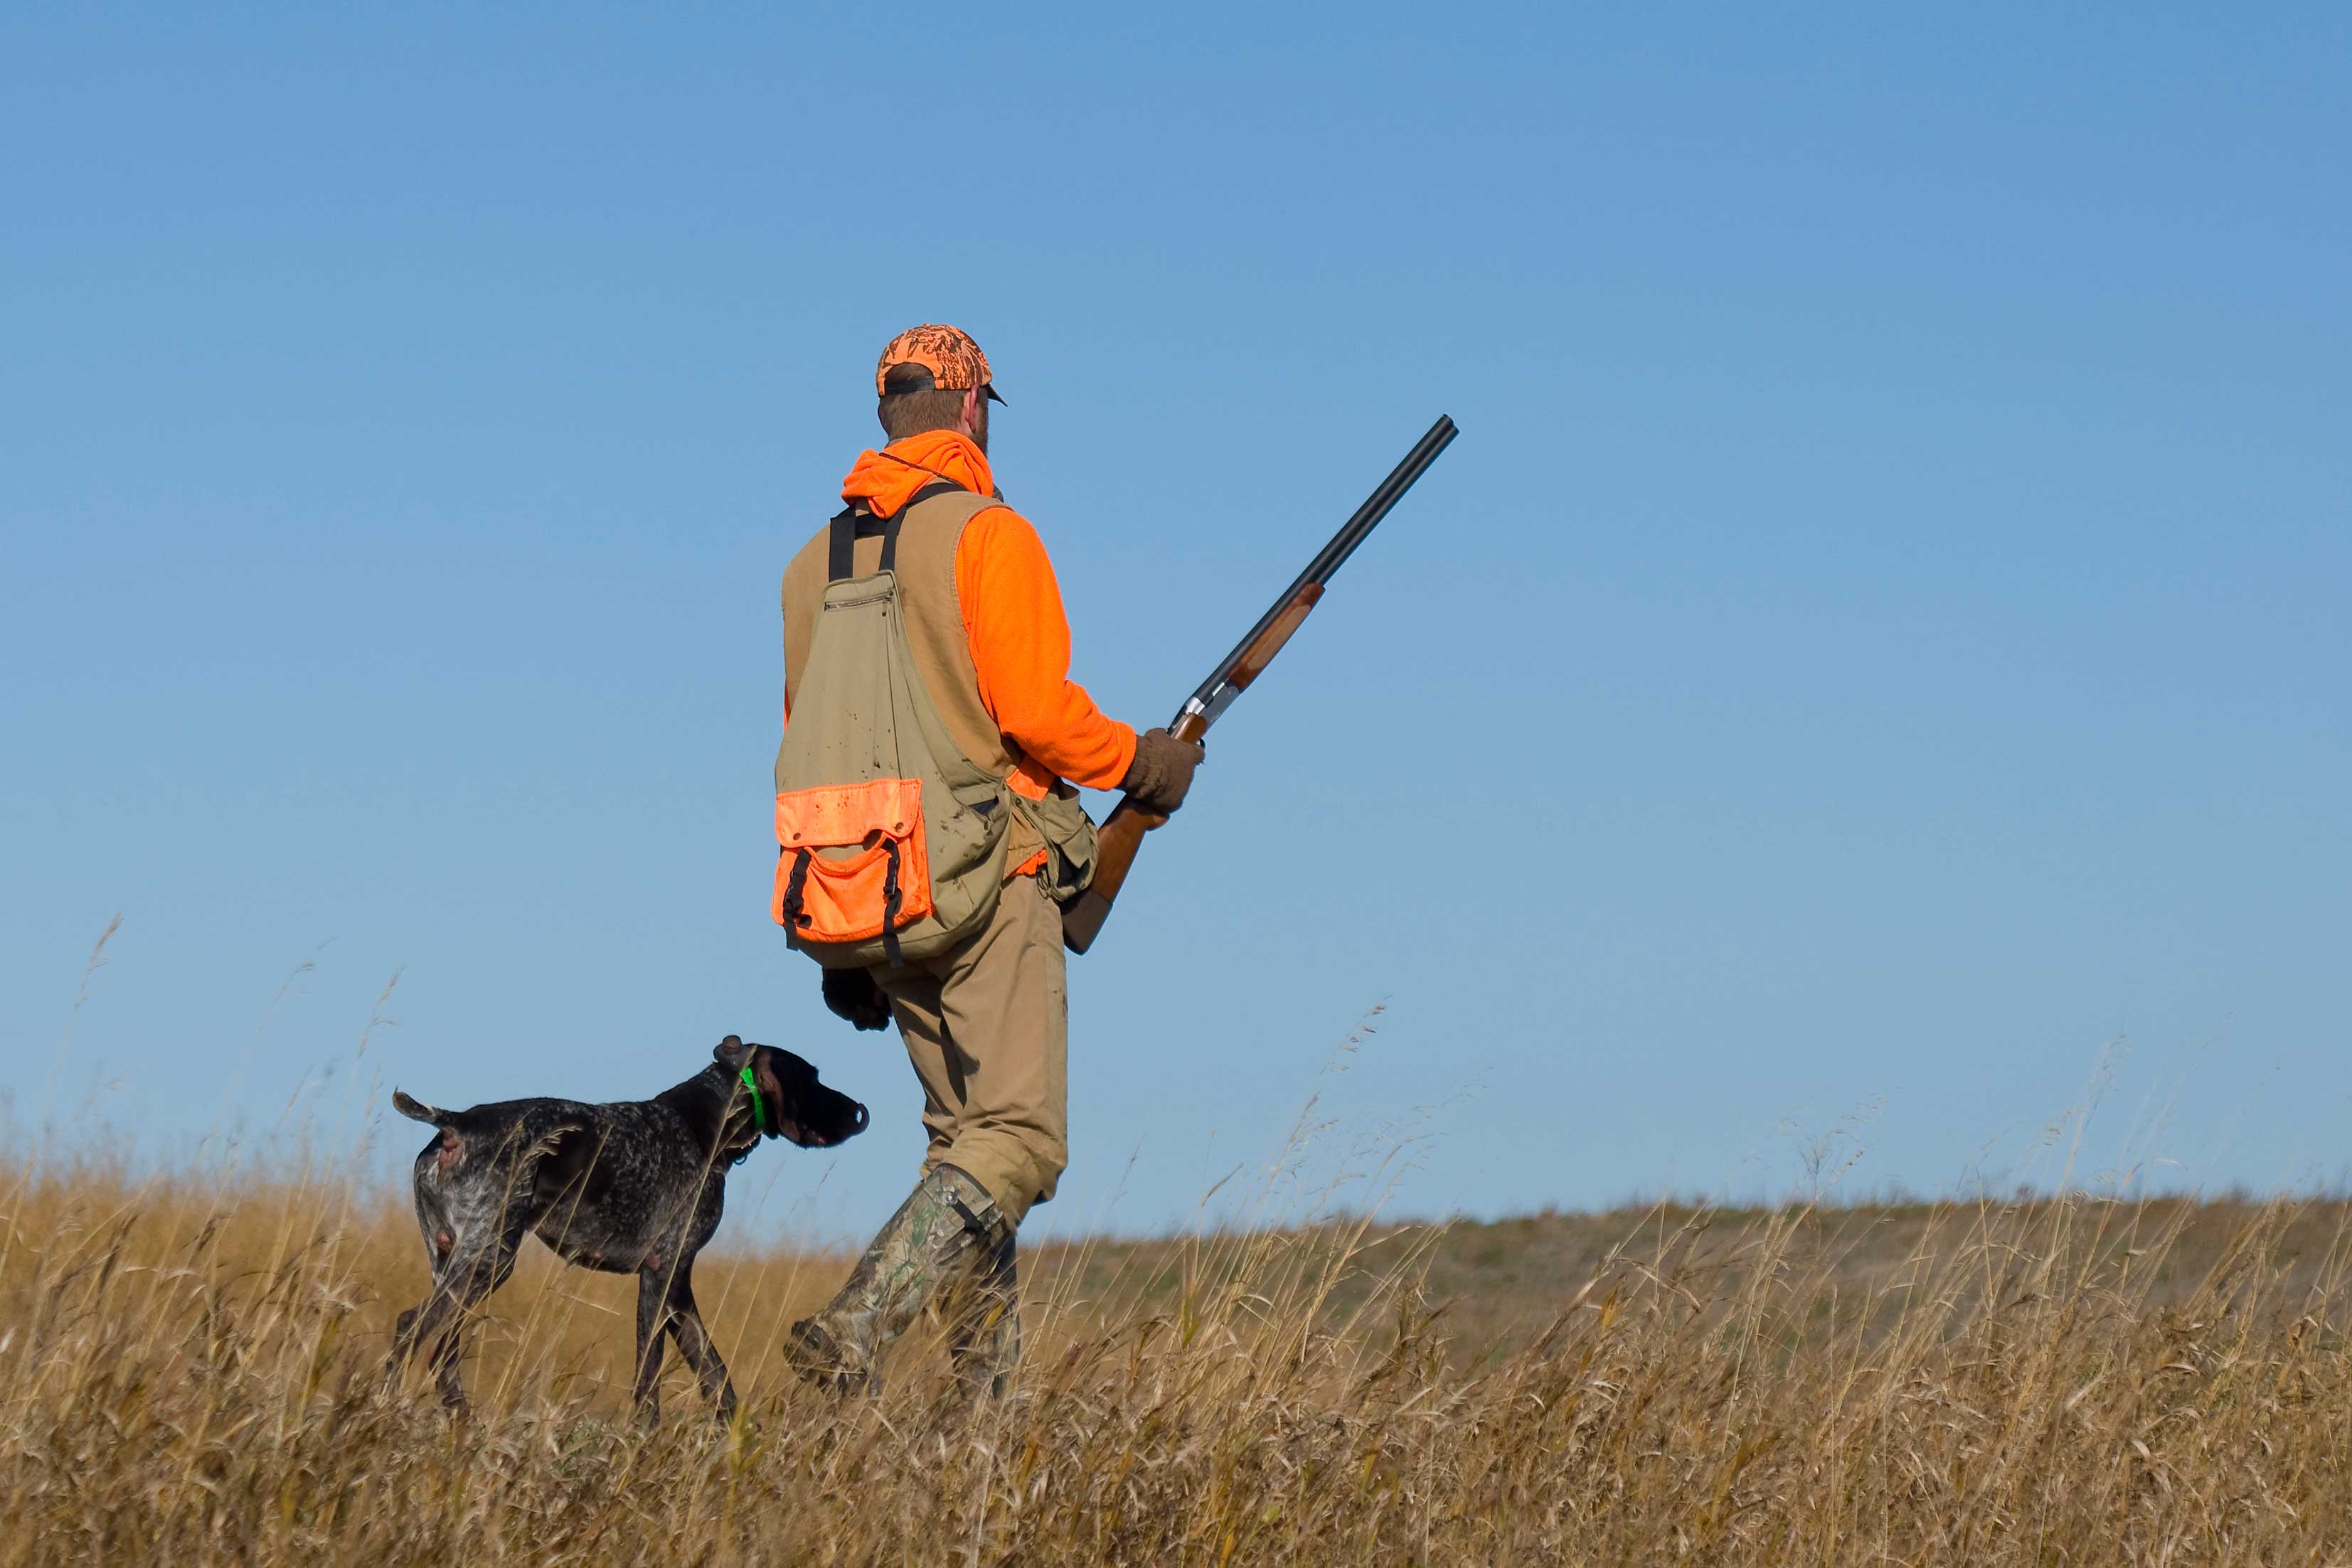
(406, 1333)
(694, 1343)
(433, 1320)
(460, 1284)
(448, 1375)
(653, 1312)
(404, 1342)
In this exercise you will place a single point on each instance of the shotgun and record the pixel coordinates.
(1122, 831)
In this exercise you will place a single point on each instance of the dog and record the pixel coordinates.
(629, 1188)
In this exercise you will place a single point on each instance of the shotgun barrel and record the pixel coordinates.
(1213, 695)
(1122, 831)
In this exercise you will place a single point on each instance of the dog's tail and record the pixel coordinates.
(418, 1110)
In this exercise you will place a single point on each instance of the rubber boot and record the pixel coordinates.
(987, 1343)
(948, 1226)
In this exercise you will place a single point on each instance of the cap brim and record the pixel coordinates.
(993, 396)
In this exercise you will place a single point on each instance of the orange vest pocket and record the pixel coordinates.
(850, 862)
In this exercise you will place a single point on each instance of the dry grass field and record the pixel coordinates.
(189, 1373)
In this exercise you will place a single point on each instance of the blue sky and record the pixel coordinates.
(1878, 648)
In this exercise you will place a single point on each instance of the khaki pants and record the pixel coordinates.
(987, 1026)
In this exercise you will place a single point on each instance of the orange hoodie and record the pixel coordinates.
(1012, 616)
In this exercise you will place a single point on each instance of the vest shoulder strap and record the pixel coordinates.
(843, 532)
(852, 523)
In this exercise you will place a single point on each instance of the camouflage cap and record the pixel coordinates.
(953, 361)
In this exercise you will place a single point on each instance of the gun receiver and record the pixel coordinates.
(1122, 831)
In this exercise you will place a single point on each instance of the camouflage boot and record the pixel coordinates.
(987, 1342)
(947, 1226)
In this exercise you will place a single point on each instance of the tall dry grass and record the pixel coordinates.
(189, 1373)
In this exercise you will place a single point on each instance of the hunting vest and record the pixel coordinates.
(895, 824)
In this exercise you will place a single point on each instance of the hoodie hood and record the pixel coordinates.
(886, 479)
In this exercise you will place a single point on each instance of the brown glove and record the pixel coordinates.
(854, 995)
(1162, 773)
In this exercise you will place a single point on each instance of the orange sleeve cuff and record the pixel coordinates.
(1020, 637)
(1126, 756)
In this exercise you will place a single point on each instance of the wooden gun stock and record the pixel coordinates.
(1121, 834)
(1116, 842)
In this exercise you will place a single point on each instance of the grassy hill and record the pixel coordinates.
(1498, 1284)
(189, 1370)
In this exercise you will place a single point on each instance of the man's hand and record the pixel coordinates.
(1162, 773)
(854, 995)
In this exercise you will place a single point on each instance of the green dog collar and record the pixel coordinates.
(759, 1108)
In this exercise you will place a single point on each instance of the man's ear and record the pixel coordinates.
(974, 411)
(731, 1053)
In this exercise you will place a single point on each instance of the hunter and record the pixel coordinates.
(929, 833)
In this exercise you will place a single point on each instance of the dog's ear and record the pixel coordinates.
(771, 1069)
(731, 1053)
(806, 1112)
